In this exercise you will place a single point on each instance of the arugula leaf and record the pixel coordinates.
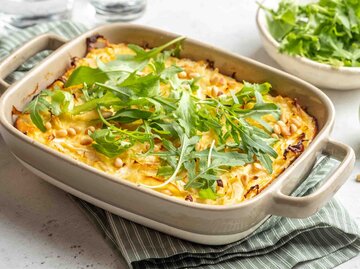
(206, 173)
(88, 75)
(186, 113)
(207, 193)
(109, 143)
(106, 100)
(186, 146)
(283, 20)
(170, 75)
(35, 107)
(254, 144)
(145, 86)
(141, 54)
(130, 115)
(54, 102)
(61, 101)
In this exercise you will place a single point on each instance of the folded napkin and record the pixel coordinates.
(323, 240)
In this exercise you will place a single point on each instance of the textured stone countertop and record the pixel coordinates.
(40, 227)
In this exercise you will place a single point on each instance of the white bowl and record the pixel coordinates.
(319, 74)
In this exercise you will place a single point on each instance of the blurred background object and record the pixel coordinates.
(118, 10)
(23, 13)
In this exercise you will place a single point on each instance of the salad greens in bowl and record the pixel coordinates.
(318, 41)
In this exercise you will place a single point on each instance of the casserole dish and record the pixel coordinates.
(200, 223)
(320, 74)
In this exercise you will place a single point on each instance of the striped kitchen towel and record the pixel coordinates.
(10, 42)
(324, 240)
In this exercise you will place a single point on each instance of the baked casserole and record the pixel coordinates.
(168, 123)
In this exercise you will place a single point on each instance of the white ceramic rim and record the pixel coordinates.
(263, 29)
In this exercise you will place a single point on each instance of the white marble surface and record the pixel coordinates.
(41, 228)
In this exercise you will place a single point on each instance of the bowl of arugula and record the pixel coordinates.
(318, 41)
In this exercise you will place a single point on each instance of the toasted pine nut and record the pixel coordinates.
(214, 80)
(222, 81)
(358, 178)
(257, 166)
(194, 75)
(167, 192)
(293, 128)
(182, 74)
(48, 125)
(281, 123)
(284, 129)
(71, 132)
(61, 133)
(86, 140)
(296, 122)
(90, 128)
(277, 129)
(243, 179)
(231, 83)
(282, 117)
(77, 129)
(215, 91)
(106, 114)
(118, 162)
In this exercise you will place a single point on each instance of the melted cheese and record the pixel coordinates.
(239, 183)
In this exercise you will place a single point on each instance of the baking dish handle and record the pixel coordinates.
(301, 207)
(29, 49)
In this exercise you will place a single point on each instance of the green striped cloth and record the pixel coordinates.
(324, 240)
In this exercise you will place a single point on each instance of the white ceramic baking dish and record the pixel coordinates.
(320, 74)
(195, 222)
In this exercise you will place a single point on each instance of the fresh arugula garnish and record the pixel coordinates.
(109, 142)
(49, 103)
(86, 74)
(187, 146)
(327, 31)
(209, 163)
(142, 54)
(151, 104)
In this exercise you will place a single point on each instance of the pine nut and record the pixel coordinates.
(231, 83)
(167, 192)
(284, 129)
(214, 80)
(118, 162)
(77, 129)
(90, 128)
(86, 140)
(222, 81)
(296, 122)
(61, 133)
(274, 136)
(106, 114)
(214, 91)
(48, 125)
(293, 128)
(194, 75)
(257, 167)
(182, 74)
(358, 178)
(277, 129)
(71, 131)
